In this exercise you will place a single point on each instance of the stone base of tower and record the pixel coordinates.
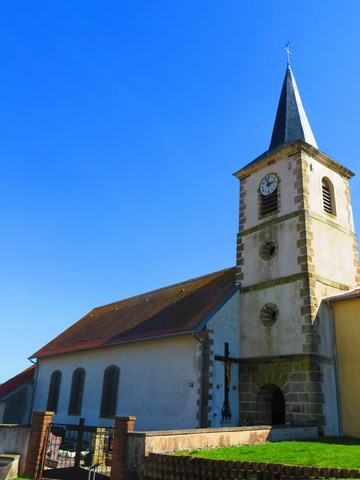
(287, 390)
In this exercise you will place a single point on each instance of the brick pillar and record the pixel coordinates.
(123, 425)
(37, 444)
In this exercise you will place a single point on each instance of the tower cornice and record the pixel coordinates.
(286, 150)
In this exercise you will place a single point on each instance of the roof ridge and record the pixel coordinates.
(161, 288)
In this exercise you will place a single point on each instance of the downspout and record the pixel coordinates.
(34, 389)
(202, 343)
(336, 365)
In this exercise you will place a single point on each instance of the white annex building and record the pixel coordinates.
(250, 344)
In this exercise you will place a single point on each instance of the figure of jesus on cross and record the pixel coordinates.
(227, 361)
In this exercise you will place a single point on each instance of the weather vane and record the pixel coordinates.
(287, 50)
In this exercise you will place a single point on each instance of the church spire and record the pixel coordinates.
(291, 123)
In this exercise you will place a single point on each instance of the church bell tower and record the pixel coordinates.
(296, 244)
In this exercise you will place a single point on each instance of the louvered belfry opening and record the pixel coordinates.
(269, 203)
(327, 197)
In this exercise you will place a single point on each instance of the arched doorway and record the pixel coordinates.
(277, 407)
(271, 407)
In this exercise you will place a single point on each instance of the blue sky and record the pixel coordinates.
(121, 126)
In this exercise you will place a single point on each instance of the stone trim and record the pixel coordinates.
(273, 283)
(328, 221)
(242, 204)
(330, 283)
(242, 219)
(269, 223)
(268, 158)
(356, 260)
(355, 246)
(294, 278)
(288, 358)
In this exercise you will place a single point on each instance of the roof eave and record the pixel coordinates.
(217, 309)
(3, 399)
(115, 344)
(341, 298)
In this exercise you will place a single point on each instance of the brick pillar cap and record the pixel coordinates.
(41, 412)
(125, 418)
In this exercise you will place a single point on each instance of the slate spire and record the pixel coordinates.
(291, 122)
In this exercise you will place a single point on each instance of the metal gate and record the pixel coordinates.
(78, 452)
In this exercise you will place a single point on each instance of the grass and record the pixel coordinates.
(327, 452)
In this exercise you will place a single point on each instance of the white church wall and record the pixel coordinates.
(284, 337)
(284, 235)
(155, 383)
(316, 173)
(328, 384)
(226, 327)
(333, 253)
(330, 401)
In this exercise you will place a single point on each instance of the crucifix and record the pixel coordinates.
(227, 361)
(287, 50)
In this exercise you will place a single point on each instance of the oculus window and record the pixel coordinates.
(269, 314)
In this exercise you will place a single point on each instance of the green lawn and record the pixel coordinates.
(326, 452)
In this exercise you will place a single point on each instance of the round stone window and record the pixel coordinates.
(269, 314)
(268, 250)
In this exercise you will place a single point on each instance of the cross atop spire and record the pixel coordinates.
(287, 50)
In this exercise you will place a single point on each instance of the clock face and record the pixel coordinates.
(268, 184)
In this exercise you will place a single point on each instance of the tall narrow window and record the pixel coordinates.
(110, 392)
(328, 196)
(54, 391)
(76, 394)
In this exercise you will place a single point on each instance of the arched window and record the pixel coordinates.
(328, 196)
(76, 394)
(110, 392)
(54, 391)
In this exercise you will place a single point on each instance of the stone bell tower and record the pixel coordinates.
(296, 244)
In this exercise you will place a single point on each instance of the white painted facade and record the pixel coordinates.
(225, 326)
(159, 379)
(155, 383)
(284, 337)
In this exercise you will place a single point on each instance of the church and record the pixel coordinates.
(250, 345)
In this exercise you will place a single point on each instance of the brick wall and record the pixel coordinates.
(37, 444)
(182, 468)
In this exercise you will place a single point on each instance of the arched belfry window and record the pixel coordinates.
(328, 196)
(77, 390)
(110, 392)
(54, 391)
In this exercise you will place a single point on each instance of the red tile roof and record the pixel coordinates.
(176, 309)
(354, 292)
(20, 380)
